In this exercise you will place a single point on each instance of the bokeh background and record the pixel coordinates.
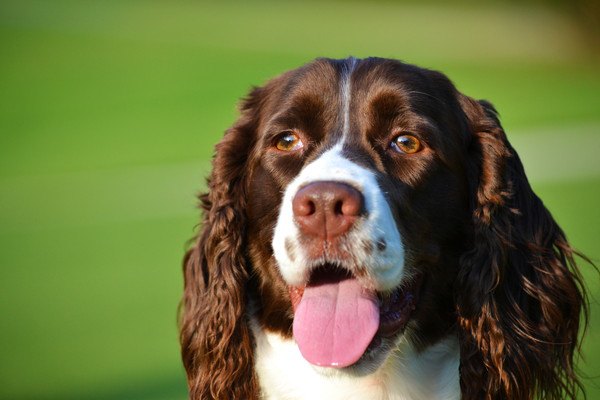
(109, 111)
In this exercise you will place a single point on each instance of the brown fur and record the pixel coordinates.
(521, 293)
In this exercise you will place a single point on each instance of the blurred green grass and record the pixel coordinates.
(108, 116)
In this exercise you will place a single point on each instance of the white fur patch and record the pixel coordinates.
(406, 375)
(384, 266)
(346, 90)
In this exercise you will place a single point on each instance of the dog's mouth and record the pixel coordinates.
(337, 320)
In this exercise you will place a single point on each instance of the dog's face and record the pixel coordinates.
(358, 187)
(358, 203)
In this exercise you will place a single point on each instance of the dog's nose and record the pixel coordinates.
(327, 209)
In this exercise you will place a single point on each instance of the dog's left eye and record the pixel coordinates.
(288, 141)
(407, 144)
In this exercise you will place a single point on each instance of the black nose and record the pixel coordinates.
(327, 209)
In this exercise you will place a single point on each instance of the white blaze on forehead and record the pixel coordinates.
(346, 90)
(384, 266)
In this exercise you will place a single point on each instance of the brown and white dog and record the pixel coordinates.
(369, 233)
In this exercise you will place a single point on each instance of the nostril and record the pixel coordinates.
(338, 208)
(305, 208)
(303, 204)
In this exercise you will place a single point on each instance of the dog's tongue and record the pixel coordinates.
(335, 322)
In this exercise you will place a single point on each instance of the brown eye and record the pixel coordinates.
(407, 144)
(288, 141)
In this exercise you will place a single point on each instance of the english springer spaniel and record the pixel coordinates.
(369, 233)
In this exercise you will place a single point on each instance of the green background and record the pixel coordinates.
(109, 111)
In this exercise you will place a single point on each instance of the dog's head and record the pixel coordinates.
(356, 203)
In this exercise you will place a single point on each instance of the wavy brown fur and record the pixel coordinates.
(216, 344)
(520, 293)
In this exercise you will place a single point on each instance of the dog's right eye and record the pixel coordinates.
(288, 141)
(407, 144)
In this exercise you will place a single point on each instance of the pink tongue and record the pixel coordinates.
(335, 322)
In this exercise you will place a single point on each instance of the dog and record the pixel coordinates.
(368, 232)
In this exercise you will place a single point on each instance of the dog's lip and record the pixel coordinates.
(397, 307)
(296, 295)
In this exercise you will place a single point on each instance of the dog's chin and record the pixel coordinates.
(396, 309)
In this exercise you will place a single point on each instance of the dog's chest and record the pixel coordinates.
(285, 375)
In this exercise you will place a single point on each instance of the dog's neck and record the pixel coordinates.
(406, 375)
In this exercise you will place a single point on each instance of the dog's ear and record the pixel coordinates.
(519, 292)
(216, 343)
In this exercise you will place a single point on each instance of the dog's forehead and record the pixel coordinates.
(352, 91)
(325, 74)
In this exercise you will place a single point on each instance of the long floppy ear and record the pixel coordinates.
(519, 292)
(216, 344)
